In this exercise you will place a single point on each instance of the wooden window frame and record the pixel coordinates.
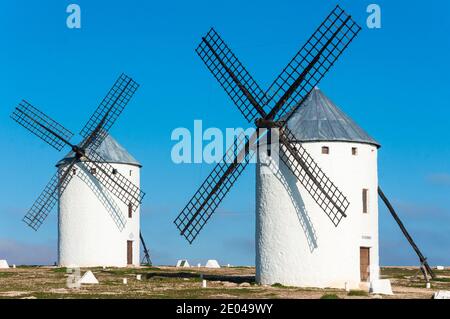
(130, 210)
(365, 201)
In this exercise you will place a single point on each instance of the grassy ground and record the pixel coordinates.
(170, 282)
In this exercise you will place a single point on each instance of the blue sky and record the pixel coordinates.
(393, 81)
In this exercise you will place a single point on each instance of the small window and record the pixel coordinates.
(354, 151)
(114, 171)
(93, 171)
(325, 150)
(365, 199)
(74, 171)
(130, 172)
(130, 210)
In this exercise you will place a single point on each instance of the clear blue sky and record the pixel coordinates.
(393, 81)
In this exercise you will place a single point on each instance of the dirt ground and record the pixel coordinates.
(171, 282)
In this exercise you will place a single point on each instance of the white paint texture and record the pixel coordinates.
(93, 224)
(296, 243)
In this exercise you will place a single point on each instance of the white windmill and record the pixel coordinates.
(81, 241)
(94, 228)
(316, 213)
(297, 245)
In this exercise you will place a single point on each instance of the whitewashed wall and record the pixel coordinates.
(87, 233)
(296, 243)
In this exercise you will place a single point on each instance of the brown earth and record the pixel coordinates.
(171, 282)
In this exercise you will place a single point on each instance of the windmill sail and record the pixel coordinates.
(293, 85)
(41, 125)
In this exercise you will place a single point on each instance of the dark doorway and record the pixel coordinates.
(129, 252)
(364, 257)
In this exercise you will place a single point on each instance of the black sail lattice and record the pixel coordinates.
(324, 47)
(109, 110)
(330, 199)
(224, 65)
(215, 187)
(113, 181)
(41, 125)
(38, 213)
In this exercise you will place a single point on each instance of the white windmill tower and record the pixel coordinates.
(297, 245)
(94, 229)
(97, 185)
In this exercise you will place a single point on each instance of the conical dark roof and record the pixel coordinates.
(319, 119)
(111, 151)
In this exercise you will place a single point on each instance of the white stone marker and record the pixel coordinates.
(3, 264)
(212, 263)
(442, 294)
(89, 279)
(381, 287)
(182, 263)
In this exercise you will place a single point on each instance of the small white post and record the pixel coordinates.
(14, 266)
(139, 277)
(204, 283)
(125, 281)
(428, 285)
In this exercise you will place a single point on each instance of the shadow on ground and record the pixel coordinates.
(230, 278)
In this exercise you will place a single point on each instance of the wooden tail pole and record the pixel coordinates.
(422, 258)
(146, 257)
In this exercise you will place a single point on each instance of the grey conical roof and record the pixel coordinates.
(111, 151)
(319, 119)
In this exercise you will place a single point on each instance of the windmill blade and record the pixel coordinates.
(216, 186)
(311, 63)
(112, 180)
(37, 214)
(311, 176)
(109, 110)
(41, 125)
(231, 74)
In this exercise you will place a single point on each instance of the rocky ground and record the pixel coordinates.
(171, 282)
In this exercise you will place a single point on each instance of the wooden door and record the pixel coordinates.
(364, 257)
(129, 252)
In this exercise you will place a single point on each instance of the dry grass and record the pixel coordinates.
(170, 282)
